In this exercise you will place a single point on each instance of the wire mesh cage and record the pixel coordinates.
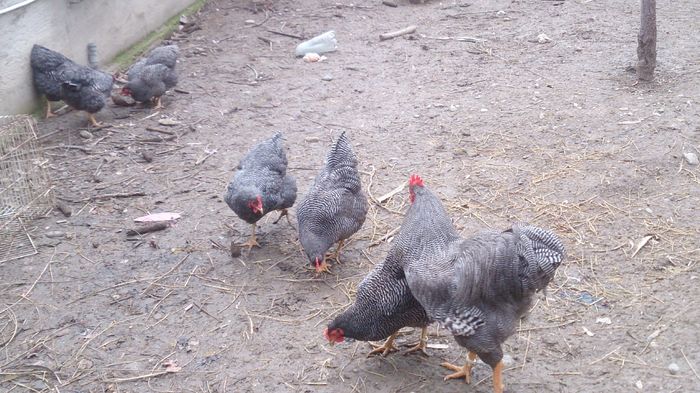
(25, 190)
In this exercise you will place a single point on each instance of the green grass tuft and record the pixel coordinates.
(125, 58)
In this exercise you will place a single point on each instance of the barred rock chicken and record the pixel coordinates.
(477, 287)
(59, 78)
(49, 70)
(151, 77)
(384, 302)
(87, 88)
(383, 305)
(334, 208)
(261, 184)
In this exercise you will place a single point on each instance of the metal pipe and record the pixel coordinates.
(16, 6)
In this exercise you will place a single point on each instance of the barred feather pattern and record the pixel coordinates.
(49, 70)
(262, 172)
(383, 305)
(480, 286)
(87, 88)
(335, 207)
(154, 75)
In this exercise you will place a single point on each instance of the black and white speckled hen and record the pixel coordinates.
(48, 70)
(87, 89)
(151, 77)
(479, 287)
(384, 301)
(261, 184)
(59, 78)
(334, 208)
(382, 306)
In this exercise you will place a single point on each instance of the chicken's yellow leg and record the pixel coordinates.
(93, 121)
(385, 348)
(159, 105)
(498, 378)
(283, 213)
(422, 343)
(252, 240)
(48, 110)
(336, 255)
(464, 371)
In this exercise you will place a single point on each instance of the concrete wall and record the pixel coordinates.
(67, 26)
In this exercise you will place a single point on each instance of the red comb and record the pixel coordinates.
(415, 180)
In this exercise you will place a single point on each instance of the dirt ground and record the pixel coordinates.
(505, 129)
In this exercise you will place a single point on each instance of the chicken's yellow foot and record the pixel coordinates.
(422, 344)
(252, 240)
(385, 348)
(159, 104)
(462, 372)
(93, 121)
(323, 267)
(336, 254)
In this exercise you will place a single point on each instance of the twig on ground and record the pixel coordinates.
(690, 364)
(154, 227)
(285, 34)
(81, 148)
(172, 269)
(162, 131)
(397, 33)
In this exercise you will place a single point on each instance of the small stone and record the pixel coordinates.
(327, 78)
(311, 139)
(147, 156)
(54, 234)
(639, 385)
(235, 250)
(673, 368)
(249, 22)
(85, 134)
(692, 158)
(543, 39)
(603, 320)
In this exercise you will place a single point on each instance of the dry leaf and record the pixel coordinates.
(643, 242)
(392, 192)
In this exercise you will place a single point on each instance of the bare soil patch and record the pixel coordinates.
(504, 128)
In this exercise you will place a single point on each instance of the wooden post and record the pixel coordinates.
(646, 42)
